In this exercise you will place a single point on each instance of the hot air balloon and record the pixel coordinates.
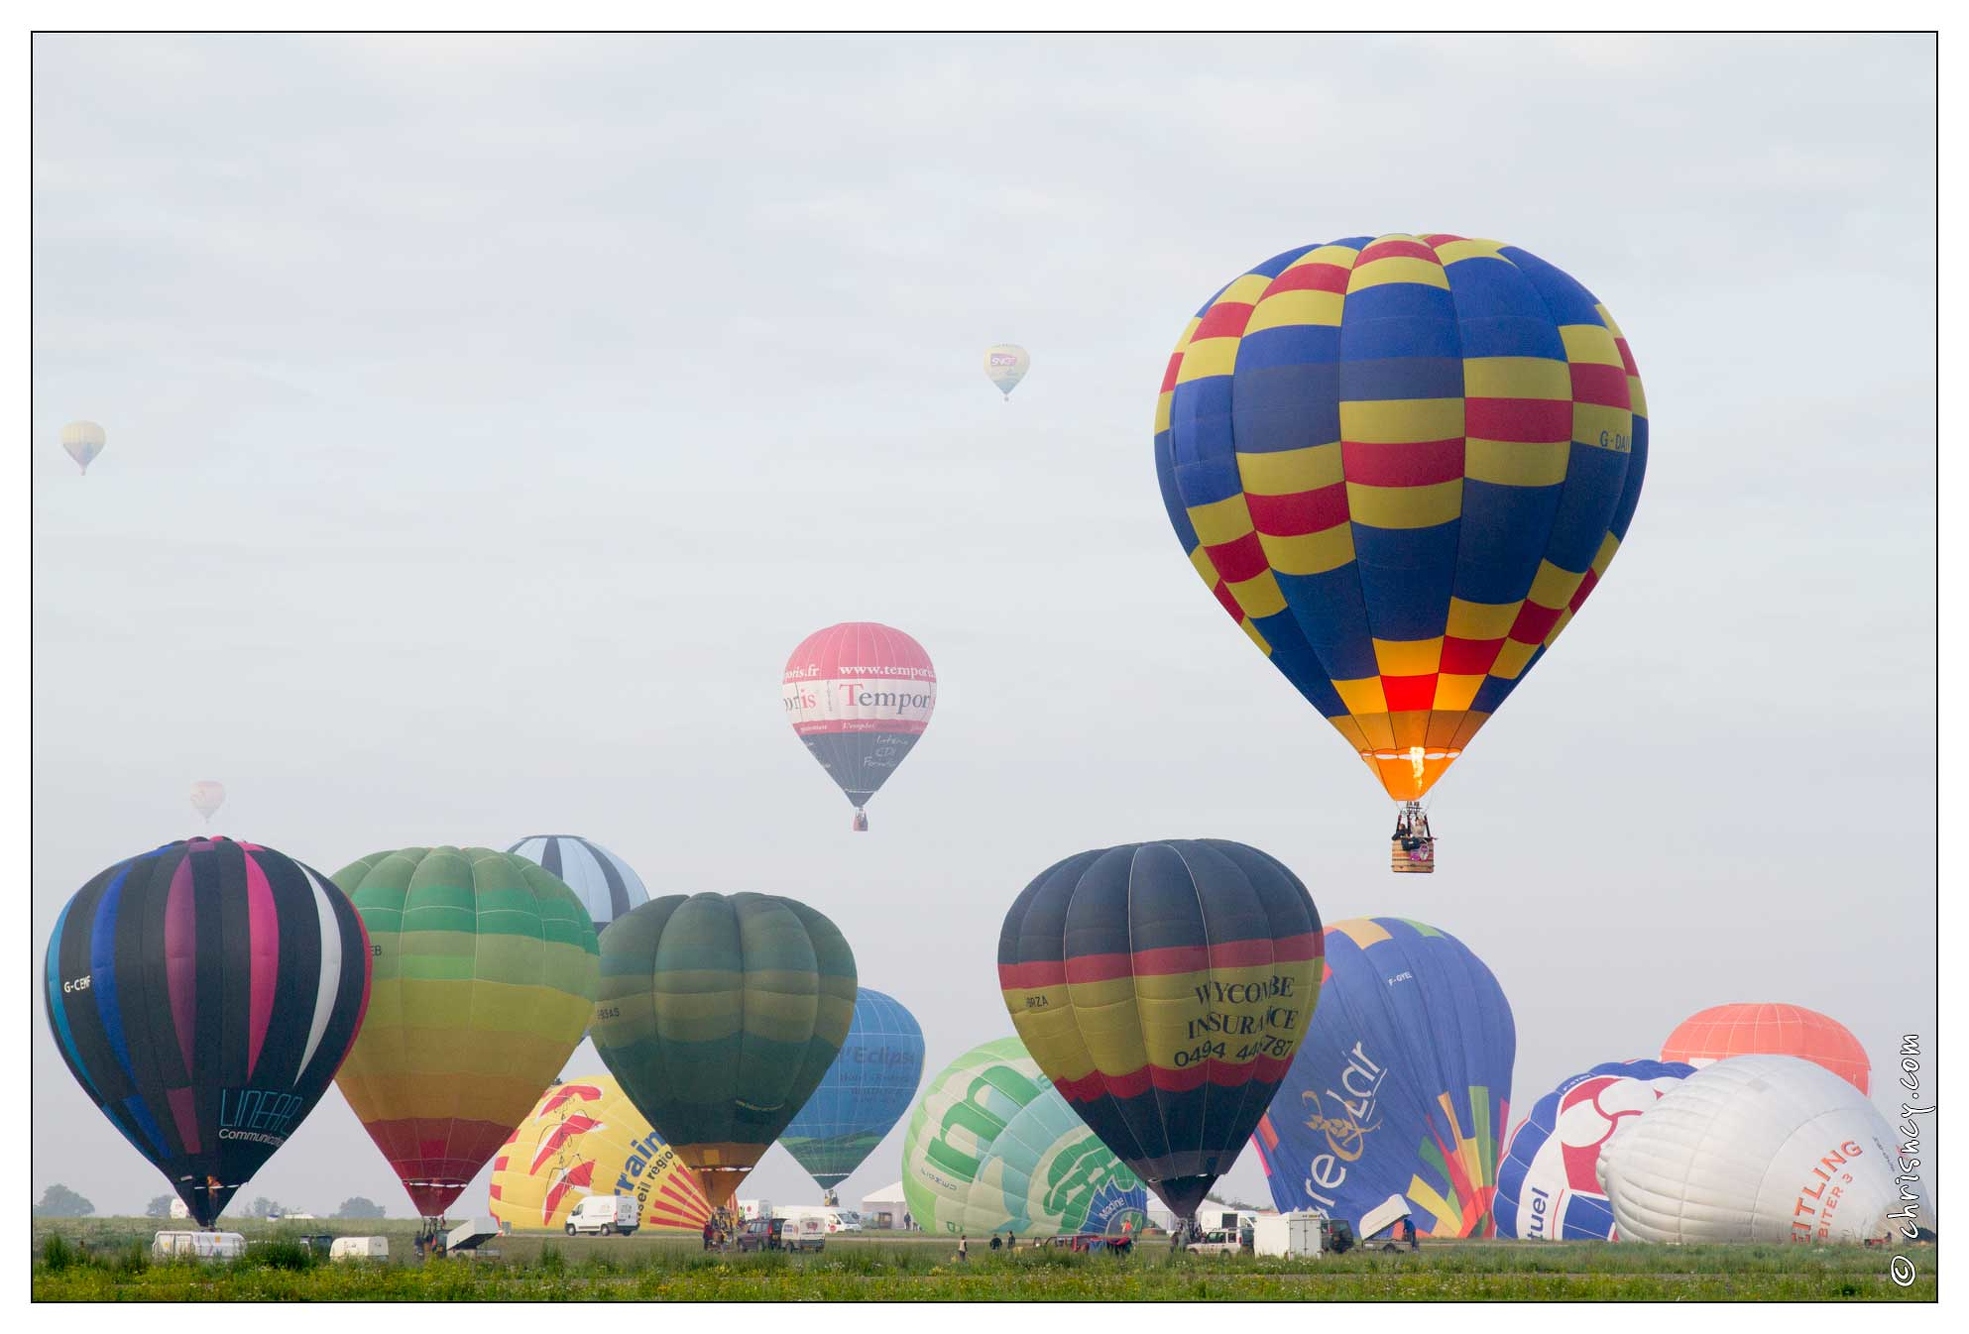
(1163, 988)
(584, 1137)
(1774, 1030)
(485, 972)
(719, 1016)
(993, 1147)
(1548, 1188)
(1402, 464)
(862, 1095)
(1403, 1084)
(203, 995)
(83, 441)
(1764, 1149)
(207, 797)
(599, 878)
(859, 694)
(1005, 365)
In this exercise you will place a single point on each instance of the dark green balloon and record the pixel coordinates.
(719, 1016)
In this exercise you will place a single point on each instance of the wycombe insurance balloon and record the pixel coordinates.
(860, 696)
(1549, 1186)
(600, 879)
(203, 995)
(1402, 1086)
(1769, 1030)
(1402, 464)
(584, 1137)
(719, 1016)
(862, 1095)
(485, 981)
(1163, 988)
(1764, 1149)
(993, 1147)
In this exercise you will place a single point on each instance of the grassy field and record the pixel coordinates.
(104, 1260)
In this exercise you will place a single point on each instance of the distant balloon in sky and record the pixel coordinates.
(860, 695)
(1006, 365)
(599, 878)
(1760, 1149)
(864, 1093)
(1778, 1030)
(584, 1137)
(993, 1147)
(1163, 988)
(203, 995)
(207, 797)
(1403, 1084)
(1402, 464)
(485, 971)
(1548, 1188)
(83, 441)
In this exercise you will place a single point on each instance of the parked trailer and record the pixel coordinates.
(1286, 1234)
(359, 1248)
(199, 1245)
(1382, 1217)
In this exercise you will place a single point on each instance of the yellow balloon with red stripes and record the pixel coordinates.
(584, 1137)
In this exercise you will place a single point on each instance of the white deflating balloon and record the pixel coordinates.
(207, 797)
(1759, 1148)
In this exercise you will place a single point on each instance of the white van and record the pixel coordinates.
(751, 1209)
(359, 1248)
(202, 1245)
(606, 1215)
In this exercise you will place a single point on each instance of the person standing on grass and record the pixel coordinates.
(963, 1249)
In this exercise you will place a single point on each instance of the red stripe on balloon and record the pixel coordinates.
(181, 958)
(1419, 463)
(1033, 976)
(1320, 277)
(263, 929)
(1605, 385)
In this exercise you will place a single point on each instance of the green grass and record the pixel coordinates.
(107, 1260)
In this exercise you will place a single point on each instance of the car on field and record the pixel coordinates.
(1222, 1241)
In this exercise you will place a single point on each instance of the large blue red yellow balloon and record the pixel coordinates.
(1402, 463)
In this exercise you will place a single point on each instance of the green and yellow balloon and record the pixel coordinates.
(483, 982)
(719, 1016)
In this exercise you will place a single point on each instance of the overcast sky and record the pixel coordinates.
(490, 417)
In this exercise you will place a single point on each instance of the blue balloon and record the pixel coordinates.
(1549, 1188)
(1402, 1086)
(863, 1094)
